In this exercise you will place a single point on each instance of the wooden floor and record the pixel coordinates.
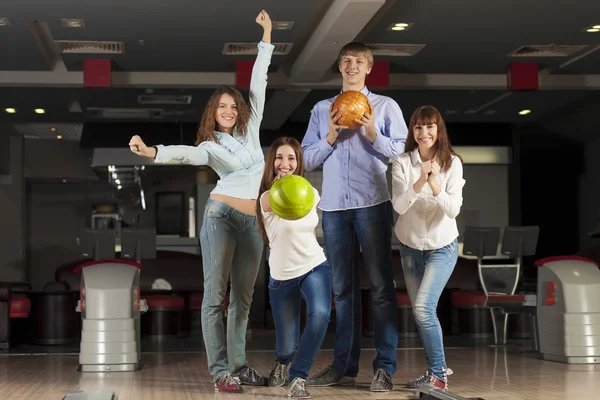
(486, 372)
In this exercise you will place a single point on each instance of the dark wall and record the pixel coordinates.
(550, 167)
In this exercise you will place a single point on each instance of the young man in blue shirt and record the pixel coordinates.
(357, 214)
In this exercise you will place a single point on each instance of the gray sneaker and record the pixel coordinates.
(415, 383)
(329, 377)
(298, 389)
(279, 374)
(248, 376)
(382, 381)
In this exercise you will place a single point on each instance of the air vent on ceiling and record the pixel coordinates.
(396, 50)
(90, 47)
(549, 50)
(241, 49)
(164, 99)
(126, 113)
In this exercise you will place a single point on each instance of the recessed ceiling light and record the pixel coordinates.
(592, 30)
(10, 110)
(399, 26)
(282, 25)
(72, 23)
(596, 27)
(40, 111)
(4, 22)
(53, 129)
(524, 112)
(59, 136)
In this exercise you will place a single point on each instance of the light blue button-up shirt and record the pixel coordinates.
(354, 170)
(238, 160)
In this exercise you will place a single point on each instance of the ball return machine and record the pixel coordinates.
(110, 303)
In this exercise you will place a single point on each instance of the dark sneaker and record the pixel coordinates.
(382, 381)
(415, 383)
(298, 389)
(279, 375)
(248, 376)
(228, 384)
(329, 377)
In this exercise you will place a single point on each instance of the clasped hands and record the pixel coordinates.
(429, 173)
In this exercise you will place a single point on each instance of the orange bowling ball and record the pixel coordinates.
(352, 105)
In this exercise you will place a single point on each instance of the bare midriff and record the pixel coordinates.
(246, 206)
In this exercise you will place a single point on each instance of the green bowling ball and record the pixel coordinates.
(292, 197)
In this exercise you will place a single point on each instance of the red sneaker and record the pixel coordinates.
(228, 384)
(438, 383)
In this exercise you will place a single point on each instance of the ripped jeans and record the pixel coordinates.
(426, 273)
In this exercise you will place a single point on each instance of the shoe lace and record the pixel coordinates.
(324, 372)
(252, 374)
(227, 380)
(297, 385)
(424, 378)
(381, 376)
(278, 370)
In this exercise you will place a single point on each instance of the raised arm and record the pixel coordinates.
(258, 80)
(451, 199)
(403, 192)
(391, 139)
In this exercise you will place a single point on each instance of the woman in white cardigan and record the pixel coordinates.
(427, 183)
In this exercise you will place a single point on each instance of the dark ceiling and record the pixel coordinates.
(176, 48)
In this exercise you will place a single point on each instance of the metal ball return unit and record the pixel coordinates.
(110, 302)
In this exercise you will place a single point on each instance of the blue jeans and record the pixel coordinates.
(345, 233)
(426, 274)
(286, 299)
(231, 251)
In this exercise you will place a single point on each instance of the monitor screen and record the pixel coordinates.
(138, 244)
(98, 244)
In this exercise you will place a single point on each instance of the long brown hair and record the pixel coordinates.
(208, 123)
(426, 115)
(269, 174)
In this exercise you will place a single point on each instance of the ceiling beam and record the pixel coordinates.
(570, 82)
(43, 37)
(342, 22)
(192, 80)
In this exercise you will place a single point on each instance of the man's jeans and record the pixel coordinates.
(345, 233)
